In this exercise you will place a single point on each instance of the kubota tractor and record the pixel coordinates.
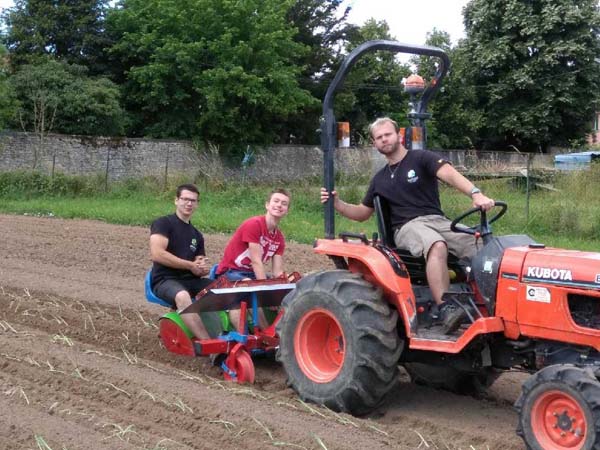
(345, 332)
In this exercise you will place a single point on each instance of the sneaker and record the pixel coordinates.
(451, 316)
(434, 312)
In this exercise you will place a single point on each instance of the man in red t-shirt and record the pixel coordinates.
(257, 241)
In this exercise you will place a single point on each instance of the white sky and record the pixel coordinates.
(409, 20)
(5, 4)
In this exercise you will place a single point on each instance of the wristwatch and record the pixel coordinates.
(475, 190)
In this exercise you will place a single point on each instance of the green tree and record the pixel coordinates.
(322, 28)
(534, 66)
(8, 103)
(219, 70)
(91, 106)
(72, 31)
(373, 86)
(55, 96)
(37, 90)
(455, 121)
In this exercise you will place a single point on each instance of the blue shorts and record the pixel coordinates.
(236, 275)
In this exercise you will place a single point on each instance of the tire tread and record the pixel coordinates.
(378, 346)
(580, 379)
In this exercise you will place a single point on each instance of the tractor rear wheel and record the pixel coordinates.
(559, 408)
(339, 343)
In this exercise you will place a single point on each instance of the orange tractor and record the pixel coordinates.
(345, 332)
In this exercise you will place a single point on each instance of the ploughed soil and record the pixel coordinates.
(81, 366)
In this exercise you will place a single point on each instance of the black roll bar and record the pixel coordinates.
(328, 122)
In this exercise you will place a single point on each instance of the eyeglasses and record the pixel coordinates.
(193, 201)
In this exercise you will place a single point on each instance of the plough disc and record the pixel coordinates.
(241, 367)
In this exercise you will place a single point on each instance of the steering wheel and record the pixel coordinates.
(483, 229)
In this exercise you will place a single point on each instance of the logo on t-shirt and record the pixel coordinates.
(269, 247)
(193, 245)
(412, 176)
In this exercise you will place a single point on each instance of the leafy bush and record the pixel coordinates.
(28, 184)
(32, 183)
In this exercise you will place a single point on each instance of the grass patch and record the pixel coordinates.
(568, 218)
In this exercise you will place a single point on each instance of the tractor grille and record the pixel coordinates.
(585, 310)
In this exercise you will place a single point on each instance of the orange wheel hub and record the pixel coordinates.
(558, 421)
(319, 346)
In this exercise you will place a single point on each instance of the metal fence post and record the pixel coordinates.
(107, 170)
(528, 191)
(166, 176)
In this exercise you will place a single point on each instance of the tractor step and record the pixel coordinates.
(436, 333)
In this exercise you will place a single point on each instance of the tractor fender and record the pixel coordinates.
(377, 269)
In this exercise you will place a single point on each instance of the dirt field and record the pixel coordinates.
(81, 366)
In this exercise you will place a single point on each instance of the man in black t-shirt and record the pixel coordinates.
(179, 259)
(409, 184)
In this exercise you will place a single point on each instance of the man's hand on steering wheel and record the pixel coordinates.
(483, 228)
(483, 202)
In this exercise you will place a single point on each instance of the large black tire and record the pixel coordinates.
(339, 343)
(451, 379)
(559, 409)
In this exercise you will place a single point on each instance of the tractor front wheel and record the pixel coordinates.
(338, 342)
(559, 408)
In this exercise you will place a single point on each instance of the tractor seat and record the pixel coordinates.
(150, 295)
(414, 264)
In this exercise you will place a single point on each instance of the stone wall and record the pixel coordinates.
(120, 158)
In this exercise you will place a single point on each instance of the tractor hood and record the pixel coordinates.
(562, 267)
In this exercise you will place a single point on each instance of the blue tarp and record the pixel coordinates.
(575, 161)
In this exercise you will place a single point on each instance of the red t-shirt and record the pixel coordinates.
(253, 230)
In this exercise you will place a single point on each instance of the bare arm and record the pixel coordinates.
(277, 264)
(159, 254)
(451, 176)
(256, 260)
(359, 213)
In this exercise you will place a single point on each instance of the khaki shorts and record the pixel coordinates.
(418, 235)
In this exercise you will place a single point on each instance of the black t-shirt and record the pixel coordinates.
(185, 242)
(410, 187)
